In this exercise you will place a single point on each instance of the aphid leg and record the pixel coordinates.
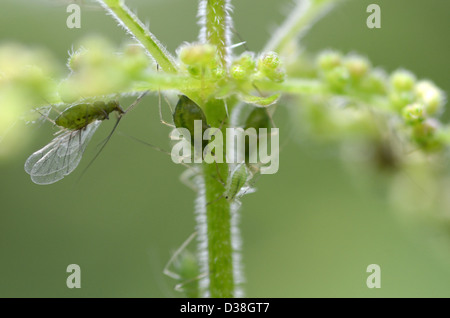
(176, 254)
(160, 110)
(219, 176)
(186, 178)
(68, 146)
(160, 107)
(180, 287)
(272, 123)
(222, 196)
(226, 107)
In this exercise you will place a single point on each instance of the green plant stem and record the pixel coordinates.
(218, 222)
(294, 86)
(132, 24)
(218, 215)
(301, 18)
(216, 28)
(216, 24)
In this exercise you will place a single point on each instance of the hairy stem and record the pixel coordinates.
(218, 215)
(216, 23)
(301, 18)
(132, 24)
(218, 222)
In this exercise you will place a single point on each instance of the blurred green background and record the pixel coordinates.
(311, 229)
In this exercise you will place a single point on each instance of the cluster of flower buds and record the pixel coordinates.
(201, 62)
(98, 69)
(418, 103)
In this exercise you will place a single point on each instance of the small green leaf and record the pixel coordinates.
(260, 101)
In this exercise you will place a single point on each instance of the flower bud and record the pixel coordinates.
(424, 134)
(414, 113)
(338, 78)
(399, 100)
(402, 80)
(238, 72)
(329, 59)
(194, 54)
(357, 66)
(430, 95)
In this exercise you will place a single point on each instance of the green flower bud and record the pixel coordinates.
(238, 72)
(218, 73)
(402, 80)
(202, 54)
(374, 82)
(328, 60)
(269, 64)
(247, 61)
(277, 75)
(425, 134)
(338, 78)
(135, 61)
(357, 66)
(269, 60)
(399, 100)
(431, 96)
(75, 60)
(414, 113)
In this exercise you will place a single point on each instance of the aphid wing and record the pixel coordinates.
(63, 157)
(36, 156)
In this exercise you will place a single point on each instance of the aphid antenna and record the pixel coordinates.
(133, 105)
(46, 117)
(184, 177)
(52, 107)
(157, 148)
(105, 141)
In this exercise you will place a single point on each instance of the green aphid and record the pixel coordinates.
(63, 154)
(80, 115)
(183, 267)
(236, 182)
(186, 266)
(186, 112)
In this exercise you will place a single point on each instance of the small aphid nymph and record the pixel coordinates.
(236, 182)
